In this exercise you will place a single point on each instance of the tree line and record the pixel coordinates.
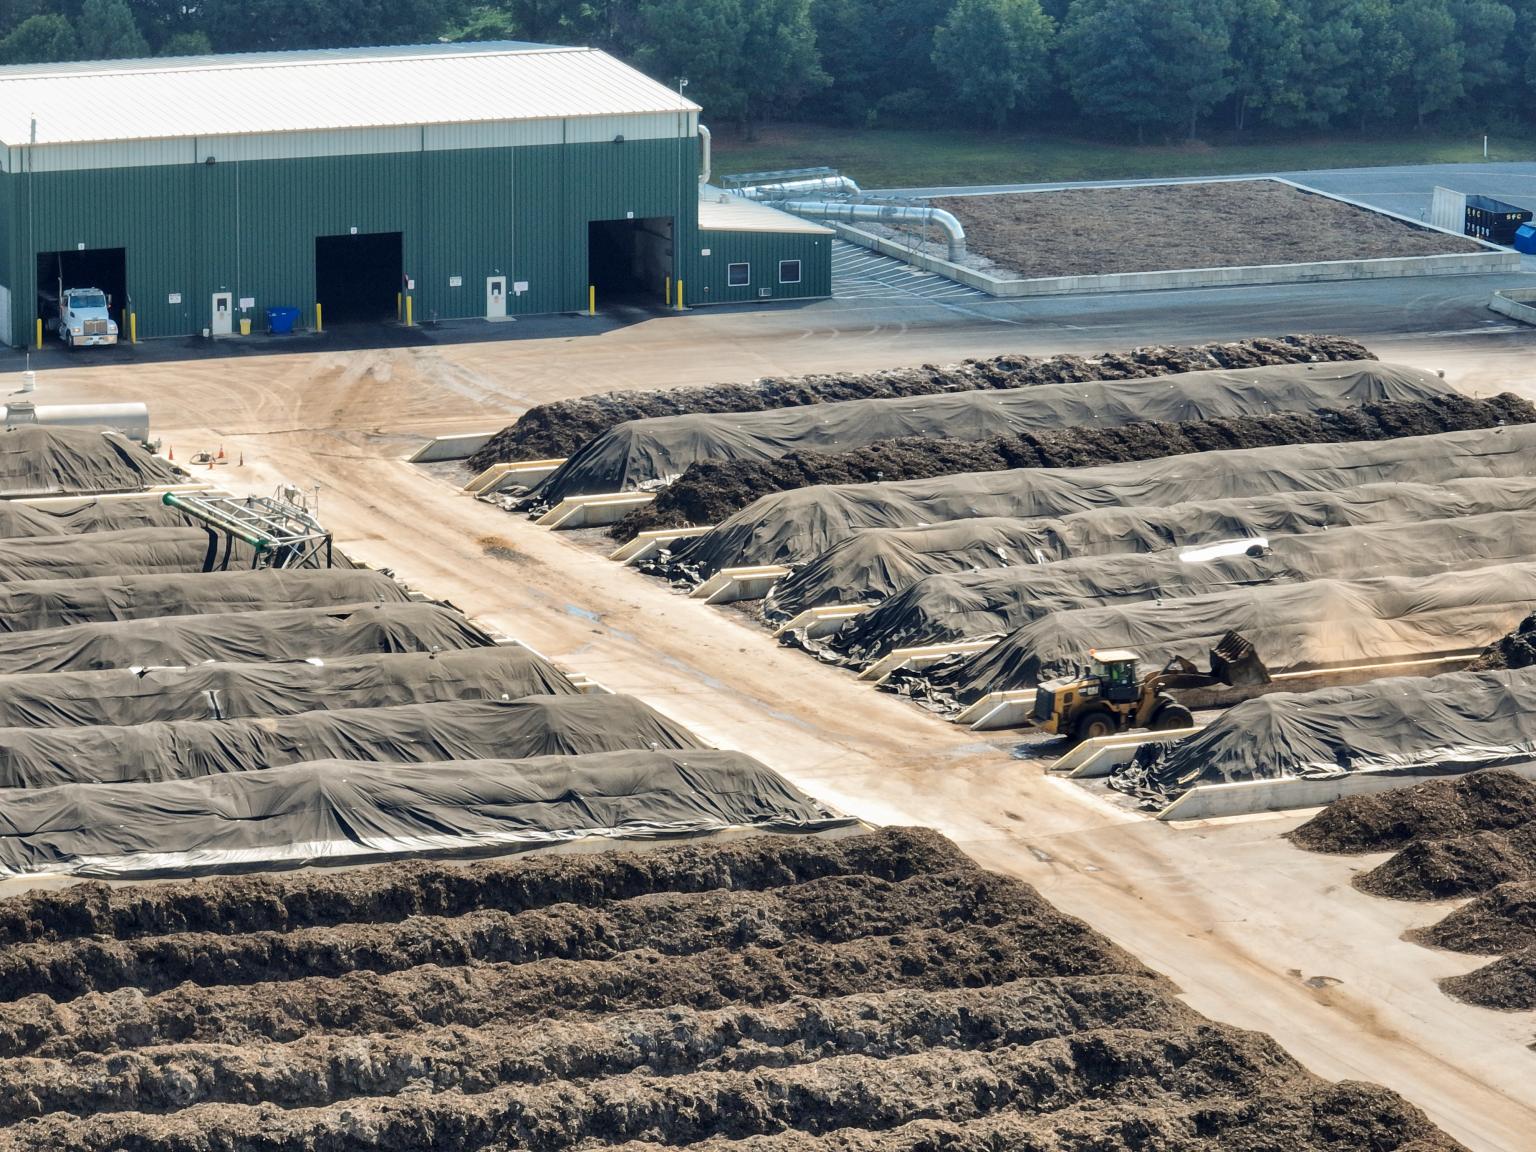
(1143, 69)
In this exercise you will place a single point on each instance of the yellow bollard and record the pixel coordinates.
(591, 299)
(679, 295)
(133, 327)
(666, 292)
(399, 306)
(39, 331)
(408, 312)
(319, 326)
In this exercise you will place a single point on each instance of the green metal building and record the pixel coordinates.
(435, 182)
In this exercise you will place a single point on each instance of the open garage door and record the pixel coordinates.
(358, 277)
(630, 261)
(103, 268)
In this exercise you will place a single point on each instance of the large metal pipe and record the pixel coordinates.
(815, 185)
(706, 142)
(883, 214)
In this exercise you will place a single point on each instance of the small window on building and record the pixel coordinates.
(789, 271)
(738, 275)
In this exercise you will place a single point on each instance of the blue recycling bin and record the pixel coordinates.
(280, 321)
(1525, 239)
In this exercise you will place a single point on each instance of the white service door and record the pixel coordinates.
(495, 297)
(223, 313)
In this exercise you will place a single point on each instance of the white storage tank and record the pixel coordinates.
(132, 420)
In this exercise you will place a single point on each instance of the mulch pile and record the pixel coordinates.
(1472, 835)
(1517, 650)
(874, 992)
(711, 490)
(1497, 800)
(1500, 920)
(1152, 228)
(561, 427)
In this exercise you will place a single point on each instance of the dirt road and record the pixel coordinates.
(1255, 932)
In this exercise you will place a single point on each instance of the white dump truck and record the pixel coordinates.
(83, 319)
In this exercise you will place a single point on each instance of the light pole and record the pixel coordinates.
(682, 82)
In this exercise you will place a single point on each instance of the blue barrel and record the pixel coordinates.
(280, 321)
(1525, 239)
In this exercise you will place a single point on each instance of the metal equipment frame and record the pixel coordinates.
(283, 534)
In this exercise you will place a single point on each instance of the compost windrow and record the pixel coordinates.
(793, 527)
(768, 991)
(644, 453)
(1407, 727)
(45, 460)
(709, 492)
(130, 551)
(17, 519)
(221, 691)
(559, 428)
(1293, 627)
(26, 605)
(277, 634)
(875, 563)
(397, 734)
(971, 605)
(353, 811)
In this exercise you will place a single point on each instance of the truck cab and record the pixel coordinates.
(84, 320)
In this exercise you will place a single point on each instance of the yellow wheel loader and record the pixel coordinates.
(1112, 695)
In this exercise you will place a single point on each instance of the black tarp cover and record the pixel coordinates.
(332, 811)
(30, 604)
(37, 459)
(1413, 725)
(973, 605)
(1293, 627)
(229, 691)
(17, 519)
(794, 526)
(241, 637)
(874, 563)
(131, 551)
(660, 448)
(402, 734)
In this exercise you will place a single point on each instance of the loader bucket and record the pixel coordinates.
(1235, 661)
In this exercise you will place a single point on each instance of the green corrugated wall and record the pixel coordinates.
(249, 228)
(762, 251)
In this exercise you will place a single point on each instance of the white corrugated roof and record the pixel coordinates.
(721, 211)
(335, 89)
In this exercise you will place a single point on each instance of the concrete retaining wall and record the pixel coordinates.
(1250, 796)
(1516, 303)
(457, 447)
(1492, 258)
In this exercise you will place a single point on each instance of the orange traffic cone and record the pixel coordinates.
(210, 463)
(242, 460)
(221, 451)
(170, 453)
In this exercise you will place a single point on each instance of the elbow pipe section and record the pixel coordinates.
(954, 231)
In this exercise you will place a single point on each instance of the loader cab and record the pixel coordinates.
(1116, 670)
